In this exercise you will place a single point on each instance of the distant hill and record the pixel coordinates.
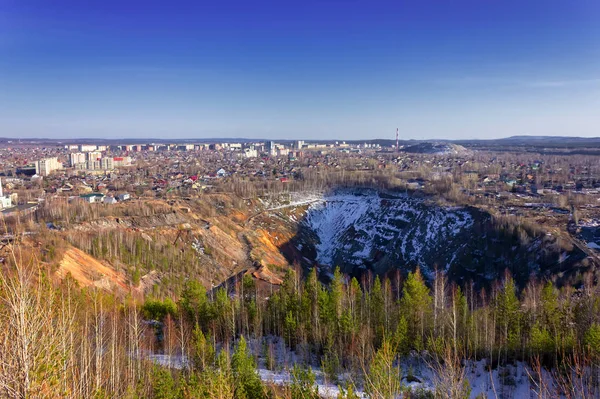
(548, 142)
(436, 148)
(518, 141)
(556, 138)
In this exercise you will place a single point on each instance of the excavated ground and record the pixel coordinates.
(231, 237)
(228, 237)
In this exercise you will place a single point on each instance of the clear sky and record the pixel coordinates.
(450, 69)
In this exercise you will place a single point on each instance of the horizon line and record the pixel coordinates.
(245, 139)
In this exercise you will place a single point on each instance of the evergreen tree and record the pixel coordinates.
(190, 387)
(194, 302)
(218, 381)
(507, 307)
(309, 306)
(550, 309)
(347, 392)
(336, 296)
(303, 385)
(384, 378)
(223, 311)
(247, 382)
(415, 305)
(203, 351)
(592, 339)
(376, 311)
(540, 341)
(163, 385)
(290, 328)
(400, 341)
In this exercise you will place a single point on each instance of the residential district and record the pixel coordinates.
(510, 182)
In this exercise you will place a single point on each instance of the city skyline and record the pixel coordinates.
(352, 70)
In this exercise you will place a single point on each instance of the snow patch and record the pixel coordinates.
(364, 222)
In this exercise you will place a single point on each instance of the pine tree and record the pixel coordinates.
(203, 351)
(190, 387)
(309, 308)
(458, 317)
(290, 328)
(401, 341)
(592, 339)
(194, 302)
(163, 385)
(224, 315)
(247, 382)
(219, 382)
(303, 385)
(540, 341)
(383, 380)
(376, 311)
(347, 392)
(507, 307)
(415, 305)
(551, 310)
(336, 295)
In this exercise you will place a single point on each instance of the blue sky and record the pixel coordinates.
(299, 69)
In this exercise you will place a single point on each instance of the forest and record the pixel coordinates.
(63, 341)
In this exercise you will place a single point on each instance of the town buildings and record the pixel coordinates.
(76, 158)
(87, 147)
(5, 200)
(45, 166)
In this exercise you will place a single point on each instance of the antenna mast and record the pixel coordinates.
(397, 146)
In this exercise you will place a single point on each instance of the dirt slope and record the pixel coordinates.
(225, 235)
(88, 271)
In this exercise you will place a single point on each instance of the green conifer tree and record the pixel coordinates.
(303, 385)
(415, 305)
(247, 381)
(383, 380)
(163, 385)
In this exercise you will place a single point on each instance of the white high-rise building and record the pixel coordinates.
(5, 201)
(93, 156)
(121, 161)
(77, 158)
(250, 153)
(45, 166)
(87, 147)
(107, 163)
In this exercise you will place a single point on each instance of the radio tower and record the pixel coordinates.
(397, 146)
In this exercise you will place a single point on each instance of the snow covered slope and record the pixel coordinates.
(363, 229)
(360, 228)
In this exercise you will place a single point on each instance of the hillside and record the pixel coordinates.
(208, 240)
(362, 230)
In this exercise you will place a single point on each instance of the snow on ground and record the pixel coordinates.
(508, 382)
(593, 245)
(295, 199)
(172, 361)
(368, 222)
(325, 389)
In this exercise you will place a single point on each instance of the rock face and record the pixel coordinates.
(374, 230)
(362, 230)
(359, 230)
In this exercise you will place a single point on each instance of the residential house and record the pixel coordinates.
(92, 198)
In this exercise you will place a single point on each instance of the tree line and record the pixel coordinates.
(61, 340)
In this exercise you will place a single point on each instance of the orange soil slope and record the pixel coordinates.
(89, 271)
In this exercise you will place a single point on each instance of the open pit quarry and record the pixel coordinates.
(362, 231)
